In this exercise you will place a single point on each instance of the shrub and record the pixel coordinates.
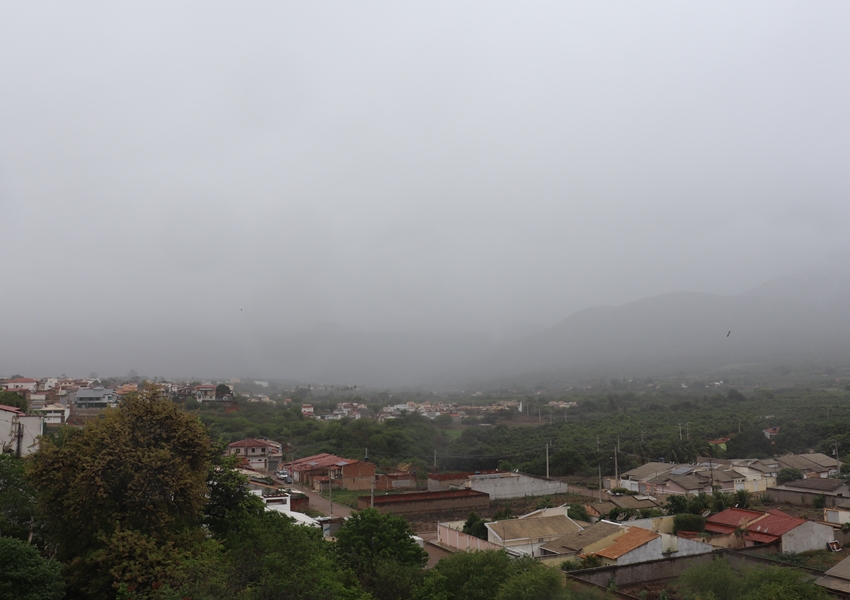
(688, 522)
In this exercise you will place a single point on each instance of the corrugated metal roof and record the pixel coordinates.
(533, 528)
(576, 541)
(820, 484)
(648, 470)
(841, 570)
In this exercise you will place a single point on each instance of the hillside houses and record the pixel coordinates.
(708, 474)
(260, 455)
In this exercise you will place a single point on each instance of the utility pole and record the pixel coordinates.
(331, 491)
(616, 470)
(547, 460)
(688, 429)
(372, 501)
(837, 460)
(641, 436)
(680, 432)
(599, 464)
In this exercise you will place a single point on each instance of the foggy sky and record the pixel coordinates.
(491, 168)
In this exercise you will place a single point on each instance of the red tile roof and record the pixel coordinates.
(634, 538)
(11, 408)
(776, 523)
(319, 461)
(734, 517)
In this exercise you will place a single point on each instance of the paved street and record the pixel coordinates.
(321, 504)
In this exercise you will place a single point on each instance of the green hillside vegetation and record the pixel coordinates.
(669, 424)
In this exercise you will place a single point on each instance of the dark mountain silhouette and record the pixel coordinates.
(801, 318)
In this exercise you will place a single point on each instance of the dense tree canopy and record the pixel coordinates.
(17, 500)
(718, 581)
(140, 468)
(25, 575)
(14, 399)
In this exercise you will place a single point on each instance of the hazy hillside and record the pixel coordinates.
(803, 317)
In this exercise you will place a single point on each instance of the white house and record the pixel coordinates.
(20, 383)
(54, 414)
(18, 431)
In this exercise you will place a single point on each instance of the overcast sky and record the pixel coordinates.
(481, 166)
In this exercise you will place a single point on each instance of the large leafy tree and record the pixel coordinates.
(141, 467)
(369, 538)
(14, 399)
(17, 500)
(271, 557)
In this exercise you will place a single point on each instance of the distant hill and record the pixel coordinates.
(796, 320)
(801, 318)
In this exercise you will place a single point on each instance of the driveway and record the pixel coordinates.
(322, 504)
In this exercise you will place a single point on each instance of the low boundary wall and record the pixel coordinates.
(427, 502)
(462, 541)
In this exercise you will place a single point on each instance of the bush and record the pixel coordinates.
(786, 475)
(578, 512)
(688, 522)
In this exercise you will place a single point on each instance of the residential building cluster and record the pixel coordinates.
(708, 474)
(432, 410)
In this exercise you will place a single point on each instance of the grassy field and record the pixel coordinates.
(452, 434)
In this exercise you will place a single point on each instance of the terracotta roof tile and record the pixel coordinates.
(634, 538)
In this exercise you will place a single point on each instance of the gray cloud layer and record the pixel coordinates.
(485, 167)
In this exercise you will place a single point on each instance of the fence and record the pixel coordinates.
(462, 541)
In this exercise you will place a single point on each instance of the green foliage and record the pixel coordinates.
(271, 556)
(141, 469)
(750, 443)
(14, 399)
(474, 525)
(718, 581)
(578, 512)
(25, 575)
(536, 583)
(230, 501)
(368, 537)
(787, 474)
(676, 504)
(688, 522)
(743, 498)
(17, 501)
(504, 513)
(133, 565)
(819, 501)
(480, 575)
